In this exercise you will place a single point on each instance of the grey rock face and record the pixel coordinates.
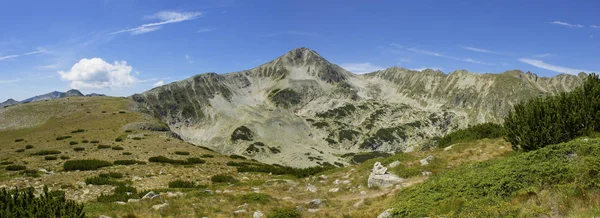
(379, 177)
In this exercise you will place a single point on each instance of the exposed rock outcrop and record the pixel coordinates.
(379, 177)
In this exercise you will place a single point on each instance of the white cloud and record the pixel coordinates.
(163, 18)
(188, 59)
(481, 50)
(205, 30)
(567, 24)
(96, 73)
(425, 68)
(361, 68)
(8, 57)
(436, 54)
(10, 81)
(543, 55)
(595, 26)
(159, 83)
(38, 51)
(544, 65)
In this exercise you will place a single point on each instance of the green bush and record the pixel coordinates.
(50, 158)
(137, 138)
(259, 198)
(288, 212)
(182, 153)
(23, 203)
(127, 153)
(104, 146)
(85, 141)
(281, 170)
(162, 159)
(242, 133)
(118, 139)
(235, 156)
(128, 162)
(31, 173)
(195, 160)
(78, 149)
(543, 121)
(222, 178)
(15, 167)
(63, 157)
(90, 164)
(100, 180)
(6, 162)
(480, 131)
(63, 137)
(20, 150)
(128, 131)
(94, 141)
(78, 131)
(19, 140)
(117, 148)
(207, 156)
(362, 157)
(114, 175)
(28, 146)
(122, 193)
(46, 152)
(181, 184)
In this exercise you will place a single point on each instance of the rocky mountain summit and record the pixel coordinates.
(302, 110)
(48, 96)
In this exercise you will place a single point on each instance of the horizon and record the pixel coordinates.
(119, 48)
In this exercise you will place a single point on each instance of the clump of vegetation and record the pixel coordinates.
(46, 152)
(31, 173)
(182, 184)
(63, 137)
(85, 141)
(258, 198)
(383, 135)
(122, 193)
(137, 138)
(89, 164)
(222, 178)
(104, 146)
(19, 140)
(277, 169)
(28, 146)
(117, 148)
(15, 167)
(207, 156)
(242, 133)
(102, 180)
(288, 212)
(127, 153)
(320, 124)
(554, 119)
(338, 113)
(73, 143)
(480, 131)
(63, 157)
(128, 162)
(285, 98)
(78, 149)
(6, 162)
(118, 139)
(486, 189)
(235, 156)
(182, 153)
(114, 175)
(122, 112)
(50, 158)
(162, 159)
(348, 135)
(78, 131)
(362, 157)
(94, 141)
(20, 150)
(23, 203)
(274, 150)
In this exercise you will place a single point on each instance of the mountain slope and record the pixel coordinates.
(54, 95)
(302, 110)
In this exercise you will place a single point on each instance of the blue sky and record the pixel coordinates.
(124, 47)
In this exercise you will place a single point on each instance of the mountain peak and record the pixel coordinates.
(302, 54)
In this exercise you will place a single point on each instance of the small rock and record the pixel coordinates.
(337, 182)
(136, 178)
(243, 205)
(133, 200)
(502, 147)
(255, 190)
(160, 206)
(218, 191)
(359, 203)
(227, 191)
(313, 210)
(426, 173)
(394, 164)
(80, 184)
(323, 177)
(174, 194)
(345, 181)
(311, 188)
(287, 198)
(257, 214)
(120, 203)
(315, 203)
(104, 216)
(363, 192)
(299, 208)
(386, 214)
(239, 211)
(448, 148)
(426, 160)
(150, 195)
(334, 189)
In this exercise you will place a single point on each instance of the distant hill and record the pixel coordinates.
(48, 96)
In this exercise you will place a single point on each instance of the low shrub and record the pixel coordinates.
(6, 162)
(222, 178)
(63, 157)
(63, 137)
(137, 138)
(20, 150)
(46, 152)
(78, 131)
(128, 131)
(117, 148)
(122, 112)
(23, 203)
(259, 198)
(114, 175)
(122, 193)
(94, 141)
(282, 170)
(89, 164)
(235, 156)
(28, 146)
(15, 167)
(480, 131)
(182, 153)
(104, 146)
(85, 141)
(288, 212)
(207, 156)
(128, 162)
(181, 184)
(162, 159)
(31, 173)
(50, 158)
(362, 157)
(119, 139)
(19, 140)
(99, 180)
(127, 153)
(195, 160)
(78, 149)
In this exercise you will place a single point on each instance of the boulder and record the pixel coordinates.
(381, 178)
(334, 189)
(315, 203)
(426, 160)
(258, 214)
(120, 203)
(379, 169)
(239, 211)
(150, 195)
(160, 206)
(386, 214)
(311, 188)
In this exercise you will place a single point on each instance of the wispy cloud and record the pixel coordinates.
(361, 68)
(205, 30)
(159, 83)
(163, 18)
(38, 51)
(10, 81)
(437, 54)
(481, 50)
(595, 26)
(8, 57)
(189, 59)
(292, 32)
(395, 45)
(547, 66)
(543, 55)
(566, 24)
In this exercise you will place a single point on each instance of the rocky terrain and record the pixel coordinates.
(301, 109)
